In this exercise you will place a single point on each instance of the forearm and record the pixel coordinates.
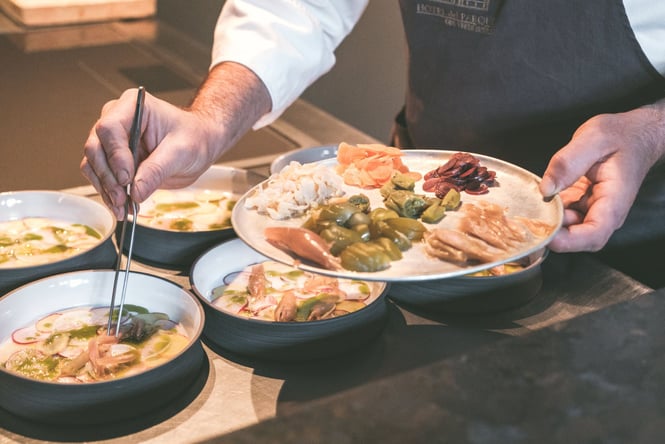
(231, 99)
(655, 130)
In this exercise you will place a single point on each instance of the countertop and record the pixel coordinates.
(581, 362)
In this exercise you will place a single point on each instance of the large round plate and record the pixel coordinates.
(517, 192)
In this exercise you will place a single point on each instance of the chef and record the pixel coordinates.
(573, 91)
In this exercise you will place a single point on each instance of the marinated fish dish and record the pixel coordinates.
(40, 240)
(71, 346)
(188, 210)
(272, 291)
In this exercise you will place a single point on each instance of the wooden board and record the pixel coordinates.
(60, 12)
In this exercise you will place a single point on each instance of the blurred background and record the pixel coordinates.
(56, 77)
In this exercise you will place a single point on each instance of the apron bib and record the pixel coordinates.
(514, 79)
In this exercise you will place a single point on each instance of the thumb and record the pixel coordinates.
(569, 164)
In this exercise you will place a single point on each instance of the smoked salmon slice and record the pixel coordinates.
(369, 165)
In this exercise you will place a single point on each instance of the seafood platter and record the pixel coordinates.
(47, 232)
(445, 214)
(258, 307)
(174, 227)
(452, 231)
(60, 365)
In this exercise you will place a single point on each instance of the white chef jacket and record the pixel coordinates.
(289, 44)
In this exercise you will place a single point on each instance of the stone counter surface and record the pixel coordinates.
(598, 378)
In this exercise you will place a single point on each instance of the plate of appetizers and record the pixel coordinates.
(380, 213)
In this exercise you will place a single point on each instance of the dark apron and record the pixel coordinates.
(514, 79)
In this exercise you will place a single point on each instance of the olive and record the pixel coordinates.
(411, 228)
(389, 247)
(358, 218)
(364, 257)
(337, 212)
(339, 238)
(433, 214)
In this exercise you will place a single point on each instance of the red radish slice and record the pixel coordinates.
(45, 324)
(28, 335)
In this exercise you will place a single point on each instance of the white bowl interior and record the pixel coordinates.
(28, 303)
(57, 205)
(218, 177)
(209, 270)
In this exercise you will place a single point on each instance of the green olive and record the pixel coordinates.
(433, 214)
(358, 218)
(411, 228)
(389, 247)
(337, 212)
(378, 214)
(364, 257)
(339, 238)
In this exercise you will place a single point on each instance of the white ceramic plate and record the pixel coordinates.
(517, 192)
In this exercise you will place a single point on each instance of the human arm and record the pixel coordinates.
(266, 52)
(599, 172)
(177, 144)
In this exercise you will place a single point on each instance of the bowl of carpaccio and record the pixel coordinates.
(45, 232)
(67, 357)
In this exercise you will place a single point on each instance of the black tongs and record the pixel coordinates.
(134, 137)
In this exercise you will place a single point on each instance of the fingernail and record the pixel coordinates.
(547, 188)
(123, 177)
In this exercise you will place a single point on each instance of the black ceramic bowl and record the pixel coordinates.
(105, 401)
(473, 294)
(55, 205)
(284, 341)
(172, 248)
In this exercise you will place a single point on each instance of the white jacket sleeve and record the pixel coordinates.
(288, 44)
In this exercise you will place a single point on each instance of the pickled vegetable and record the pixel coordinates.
(364, 257)
(411, 228)
(433, 214)
(339, 238)
(405, 203)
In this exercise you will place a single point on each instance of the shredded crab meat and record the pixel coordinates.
(294, 190)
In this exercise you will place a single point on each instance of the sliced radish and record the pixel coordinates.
(45, 324)
(55, 343)
(100, 315)
(73, 320)
(28, 335)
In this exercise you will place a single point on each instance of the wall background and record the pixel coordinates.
(366, 86)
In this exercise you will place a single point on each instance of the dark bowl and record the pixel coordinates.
(473, 294)
(179, 249)
(303, 155)
(106, 401)
(282, 341)
(65, 207)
